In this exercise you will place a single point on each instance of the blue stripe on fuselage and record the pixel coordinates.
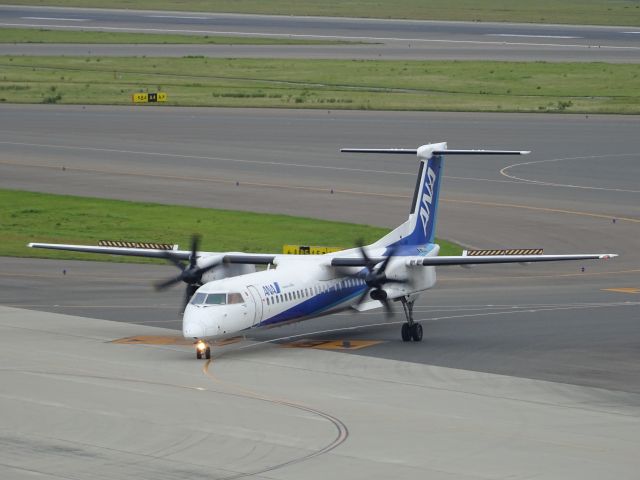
(316, 304)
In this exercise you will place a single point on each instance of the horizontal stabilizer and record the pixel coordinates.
(414, 151)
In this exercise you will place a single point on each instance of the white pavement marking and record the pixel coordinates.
(550, 184)
(527, 36)
(57, 19)
(329, 37)
(177, 16)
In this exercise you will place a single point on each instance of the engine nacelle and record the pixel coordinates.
(227, 270)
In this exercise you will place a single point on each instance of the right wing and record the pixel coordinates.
(472, 260)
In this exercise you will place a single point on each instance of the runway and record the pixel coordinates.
(518, 363)
(384, 39)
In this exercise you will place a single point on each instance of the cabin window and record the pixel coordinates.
(267, 300)
(198, 299)
(216, 299)
(235, 298)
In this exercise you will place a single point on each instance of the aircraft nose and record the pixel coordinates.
(192, 326)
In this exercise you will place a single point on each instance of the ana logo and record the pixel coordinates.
(427, 198)
(272, 289)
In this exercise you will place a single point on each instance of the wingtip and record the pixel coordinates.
(607, 256)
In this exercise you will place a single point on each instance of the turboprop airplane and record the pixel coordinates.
(226, 296)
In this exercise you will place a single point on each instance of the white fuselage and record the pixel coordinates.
(298, 289)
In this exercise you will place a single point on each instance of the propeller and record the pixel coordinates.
(190, 273)
(376, 278)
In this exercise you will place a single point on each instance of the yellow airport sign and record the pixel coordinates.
(142, 97)
(308, 249)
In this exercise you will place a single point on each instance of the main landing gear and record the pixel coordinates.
(202, 348)
(410, 330)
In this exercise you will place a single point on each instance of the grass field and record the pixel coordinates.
(37, 217)
(32, 35)
(327, 84)
(596, 12)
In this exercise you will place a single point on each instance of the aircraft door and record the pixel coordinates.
(257, 304)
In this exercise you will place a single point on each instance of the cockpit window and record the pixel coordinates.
(216, 299)
(235, 298)
(198, 299)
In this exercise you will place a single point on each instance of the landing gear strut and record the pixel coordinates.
(410, 330)
(202, 348)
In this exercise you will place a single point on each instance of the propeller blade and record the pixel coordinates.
(188, 293)
(390, 255)
(170, 258)
(363, 297)
(167, 283)
(396, 280)
(387, 307)
(195, 240)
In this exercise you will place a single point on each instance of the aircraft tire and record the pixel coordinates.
(416, 332)
(207, 353)
(198, 354)
(406, 332)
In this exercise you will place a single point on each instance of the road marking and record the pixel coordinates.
(167, 340)
(566, 185)
(527, 36)
(544, 209)
(177, 16)
(622, 290)
(309, 188)
(57, 19)
(332, 37)
(332, 344)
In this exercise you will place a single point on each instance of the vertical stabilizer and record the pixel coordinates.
(420, 229)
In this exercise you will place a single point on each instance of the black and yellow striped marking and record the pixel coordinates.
(122, 244)
(332, 344)
(511, 251)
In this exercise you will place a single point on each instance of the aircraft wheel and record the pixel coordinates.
(198, 354)
(406, 332)
(416, 332)
(207, 353)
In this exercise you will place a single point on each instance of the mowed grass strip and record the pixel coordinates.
(327, 84)
(38, 217)
(596, 12)
(32, 35)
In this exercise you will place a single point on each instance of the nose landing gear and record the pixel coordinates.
(202, 348)
(410, 330)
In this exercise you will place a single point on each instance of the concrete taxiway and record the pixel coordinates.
(82, 407)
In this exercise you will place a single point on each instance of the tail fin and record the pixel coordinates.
(420, 228)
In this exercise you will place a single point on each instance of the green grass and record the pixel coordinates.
(596, 12)
(32, 35)
(37, 217)
(327, 84)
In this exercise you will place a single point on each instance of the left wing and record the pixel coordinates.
(472, 260)
(244, 258)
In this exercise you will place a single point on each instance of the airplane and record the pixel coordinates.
(226, 295)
